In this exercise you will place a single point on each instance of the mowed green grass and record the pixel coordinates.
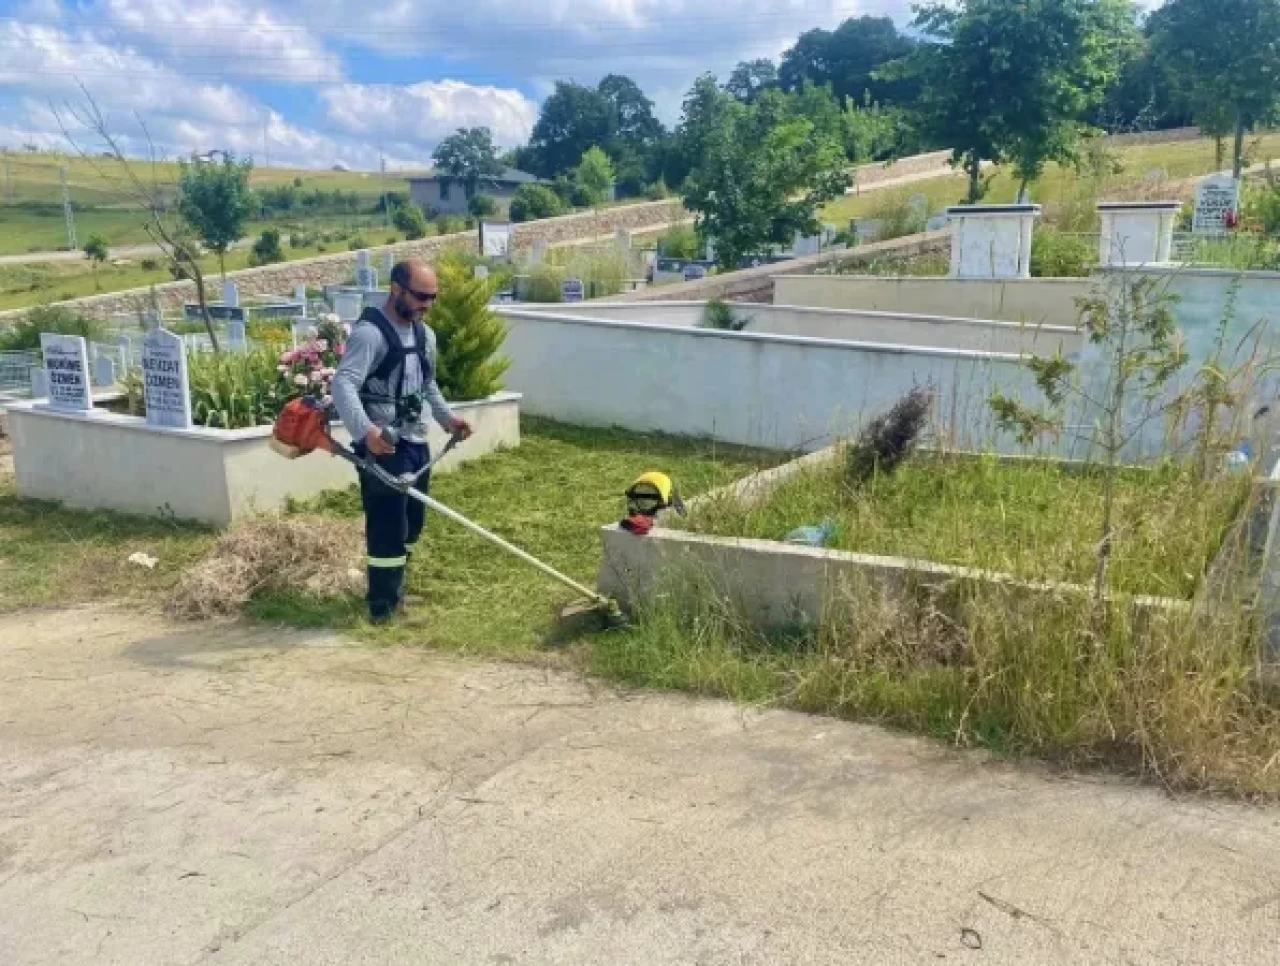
(1177, 161)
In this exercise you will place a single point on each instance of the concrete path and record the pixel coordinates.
(225, 795)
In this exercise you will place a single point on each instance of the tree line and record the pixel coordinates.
(1016, 82)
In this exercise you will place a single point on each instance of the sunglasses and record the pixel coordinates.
(421, 296)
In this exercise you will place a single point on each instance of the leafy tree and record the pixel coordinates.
(872, 132)
(1014, 79)
(97, 251)
(763, 174)
(468, 332)
(470, 156)
(702, 108)
(849, 59)
(573, 119)
(594, 175)
(534, 201)
(750, 78)
(1226, 52)
(216, 201)
(267, 250)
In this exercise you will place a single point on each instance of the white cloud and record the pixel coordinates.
(426, 113)
(227, 37)
(49, 62)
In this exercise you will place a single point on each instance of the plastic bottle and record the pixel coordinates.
(813, 536)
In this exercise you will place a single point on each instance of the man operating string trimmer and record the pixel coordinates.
(386, 377)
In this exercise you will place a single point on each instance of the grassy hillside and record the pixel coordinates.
(1137, 162)
(31, 217)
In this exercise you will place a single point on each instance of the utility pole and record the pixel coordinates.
(8, 176)
(386, 213)
(66, 210)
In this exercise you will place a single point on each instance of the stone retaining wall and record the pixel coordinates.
(280, 279)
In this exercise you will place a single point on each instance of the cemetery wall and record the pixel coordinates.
(757, 284)
(778, 392)
(324, 270)
(866, 175)
(926, 331)
(1171, 136)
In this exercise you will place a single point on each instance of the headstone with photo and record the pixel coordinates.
(230, 295)
(165, 384)
(66, 366)
(572, 290)
(1216, 198)
(495, 239)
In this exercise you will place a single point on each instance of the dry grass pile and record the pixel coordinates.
(310, 555)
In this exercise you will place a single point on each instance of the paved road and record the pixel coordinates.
(221, 795)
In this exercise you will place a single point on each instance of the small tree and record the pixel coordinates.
(469, 333)
(1132, 323)
(97, 251)
(267, 250)
(150, 197)
(216, 201)
(594, 176)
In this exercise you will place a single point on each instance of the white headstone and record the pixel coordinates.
(711, 249)
(301, 329)
(39, 383)
(623, 239)
(165, 384)
(66, 366)
(104, 372)
(236, 339)
(806, 245)
(1216, 197)
(300, 296)
(230, 295)
(992, 241)
(572, 290)
(126, 351)
(366, 274)
(1136, 233)
(348, 305)
(481, 271)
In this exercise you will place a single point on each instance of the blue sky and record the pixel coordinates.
(326, 81)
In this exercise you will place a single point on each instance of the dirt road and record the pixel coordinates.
(225, 795)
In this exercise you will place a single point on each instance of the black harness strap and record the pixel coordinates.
(393, 361)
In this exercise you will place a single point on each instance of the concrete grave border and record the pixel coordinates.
(779, 586)
(109, 461)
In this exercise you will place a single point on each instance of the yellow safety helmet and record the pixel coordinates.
(652, 493)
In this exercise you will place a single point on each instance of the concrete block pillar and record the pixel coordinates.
(1137, 233)
(992, 241)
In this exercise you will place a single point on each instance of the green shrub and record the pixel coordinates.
(149, 264)
(1055, 255)
(534, 201)
(24, 334)
(658, 191)
(718, 314)
(266, 250)
(482, 206)
(469, 333)
(410, 220)
(679, 241)
(898, 217)
(357, 243)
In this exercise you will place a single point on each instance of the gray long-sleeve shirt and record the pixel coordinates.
(364, 352)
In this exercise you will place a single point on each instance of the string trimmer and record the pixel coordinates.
(303, 427)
